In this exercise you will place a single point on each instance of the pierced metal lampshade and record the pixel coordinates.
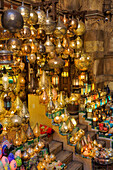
(41, 15)
(60, 29)
(24, 11)
(49, 24)
(56, 62)
(49, 46)
(83, 62)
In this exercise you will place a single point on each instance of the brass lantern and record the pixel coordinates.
(78, 43)
(41, 15)
(43, 99)
(41, 48)
(83, 62)
(72, 44)
(60, 30)
(24, 11)
(25, 32)
(49, 24)
(32, 58)
(41, 35)
(80, 29)
(14, 45)
(26, 49)
(58, 47)
(12, 20)
(33, 19)
(33, 32)
(56, 62)
(49, 46)
(73, 24)
(5, 34)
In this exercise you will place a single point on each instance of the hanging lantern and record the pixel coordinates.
(26, 49)
(23, 136)
(7, 102)
(68, 51)
(41, 16)
(50, 106)
(12, 20)
(33, 32)
(17, 140)
(56, 63)
(49, 24)
(61, 100)
(5, 81)
(16, 120)
(43, 99)
(41, 48)
(58, 47)
(64, 128)
(43, 82)
(60, 30)
(41, 35)
(29, 132)
(82, 77)
(75, 82)
(24, 114)
(14, 45)
(65, 42)
(36, 130)
(73, 24)
(32, 58)
(5, 34)
(80, 29)
(72, 44)
(33, 47)
(32, 41)
(25, 32)
(33, 19)
(18, 104)
(65, 21)
(83, 62)
(55, 80)
(24, 11)
(49, 46)
(78, 43)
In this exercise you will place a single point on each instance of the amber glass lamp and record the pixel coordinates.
(83, 62)
(60, 30)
